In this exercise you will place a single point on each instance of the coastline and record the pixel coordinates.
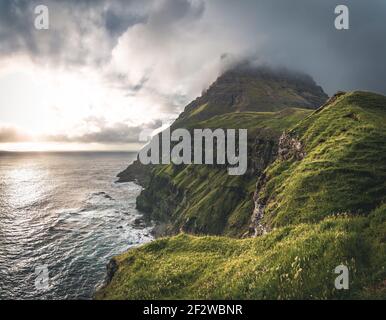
(139, 223)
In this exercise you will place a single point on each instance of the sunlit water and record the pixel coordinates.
(64, 211)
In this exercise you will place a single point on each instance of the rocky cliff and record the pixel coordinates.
(264, 101)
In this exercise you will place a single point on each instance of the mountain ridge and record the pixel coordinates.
(258, 89)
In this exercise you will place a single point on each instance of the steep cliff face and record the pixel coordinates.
(204, 199)
(137, 173)
(289, 147)
(332, 162)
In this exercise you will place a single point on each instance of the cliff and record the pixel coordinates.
(319, 205)
(334, 161)
(264, 101)
(205, 199)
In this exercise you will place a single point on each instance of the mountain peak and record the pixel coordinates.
(259, 89)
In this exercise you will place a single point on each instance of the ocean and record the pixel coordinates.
(62, 217)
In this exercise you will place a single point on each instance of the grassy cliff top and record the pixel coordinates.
(344, 168)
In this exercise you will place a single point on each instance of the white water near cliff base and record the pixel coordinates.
(65, 211)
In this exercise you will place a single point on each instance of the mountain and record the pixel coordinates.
(253, 99)
(313, 199)
(256, 89)
(238, 91)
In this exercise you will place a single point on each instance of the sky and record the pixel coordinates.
(105, 71)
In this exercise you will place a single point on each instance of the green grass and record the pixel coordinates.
(252, 93)
(276, 122)
(322, 211)
(211, 201)
(344, 169)
(205, 199)
(293, 262)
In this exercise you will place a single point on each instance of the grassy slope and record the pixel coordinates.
(345, 166)
(215, 203)
(253, 121)
(294, 262)
(263, 95)
(343, 172)
(254, 90)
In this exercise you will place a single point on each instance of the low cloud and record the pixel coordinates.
(175, 55)
(98, 132)
(118, 133)
(11, 134)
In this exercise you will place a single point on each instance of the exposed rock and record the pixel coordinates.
(256, 227)
(290, 147)
(161, 230)
(112, 268)
(263, 153)
(167, 203)
(137, 173)
(139, 223)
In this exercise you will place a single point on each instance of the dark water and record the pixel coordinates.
(63, 212)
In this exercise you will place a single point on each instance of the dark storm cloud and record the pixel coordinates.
(80, 31)
(116, 23)
(301, 34)
(298, 34)
(15, 26)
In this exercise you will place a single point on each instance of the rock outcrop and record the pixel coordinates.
(137, 173)
(290, 147)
